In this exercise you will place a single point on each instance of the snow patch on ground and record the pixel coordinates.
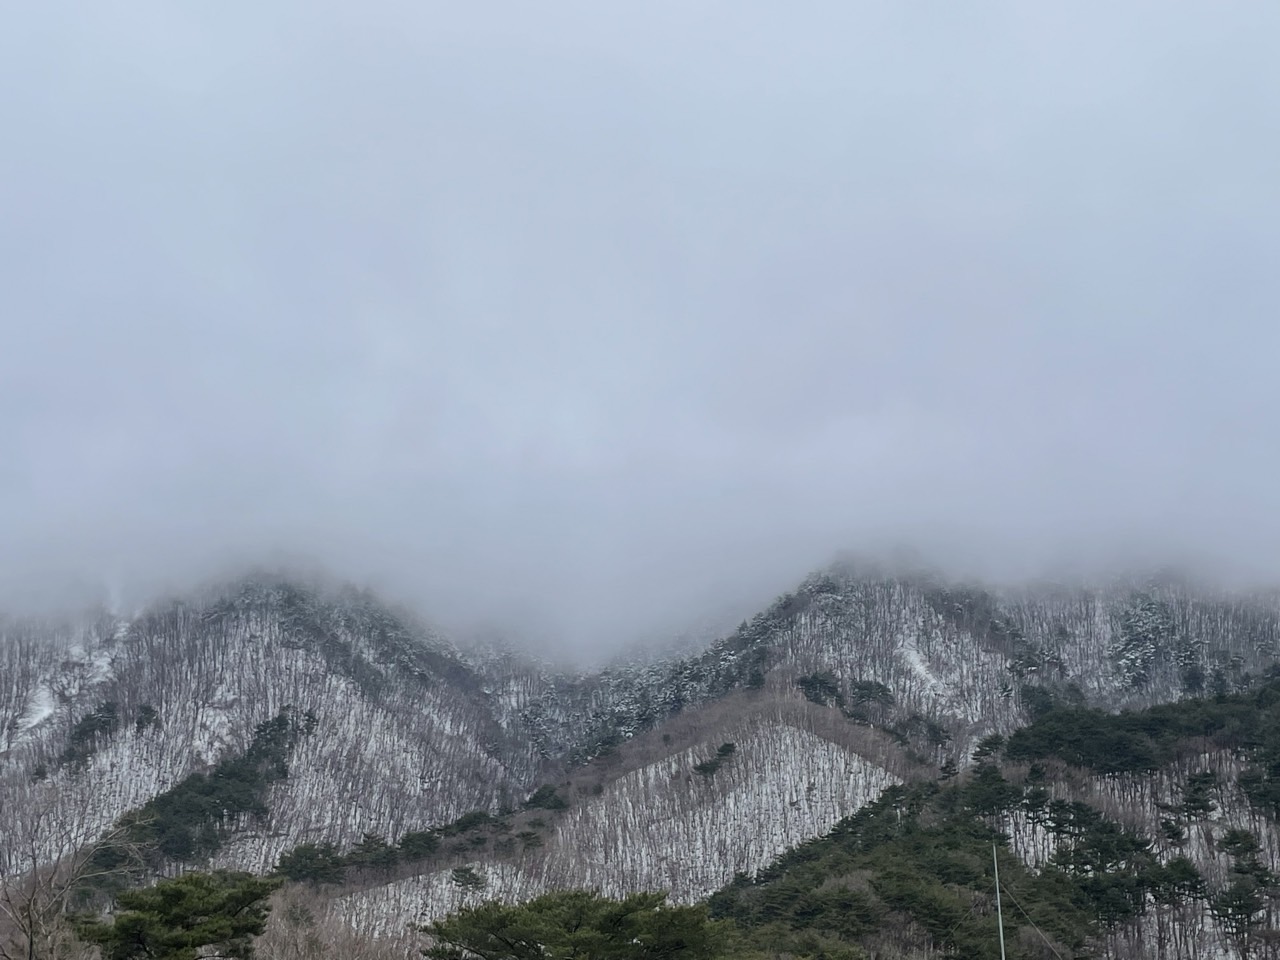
(96, 662)
(915, 660)
(40, 707)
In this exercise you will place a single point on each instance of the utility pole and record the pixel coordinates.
(999, 913)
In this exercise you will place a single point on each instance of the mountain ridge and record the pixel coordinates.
(856, 679)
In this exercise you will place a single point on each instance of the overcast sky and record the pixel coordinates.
(598, 318)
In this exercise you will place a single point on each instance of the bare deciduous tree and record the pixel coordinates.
(47, 855)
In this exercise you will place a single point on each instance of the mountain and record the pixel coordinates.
(271, 718)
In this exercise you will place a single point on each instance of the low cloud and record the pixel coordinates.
(603, 324)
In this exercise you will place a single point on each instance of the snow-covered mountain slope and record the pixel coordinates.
(1200, 794)
(738, 783)
(403, 734)
(852, 681)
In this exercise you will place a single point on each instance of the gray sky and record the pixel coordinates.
(599, 318)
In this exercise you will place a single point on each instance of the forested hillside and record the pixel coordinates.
(270, 724)
(1145, 834)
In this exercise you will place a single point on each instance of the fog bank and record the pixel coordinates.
(599, 323)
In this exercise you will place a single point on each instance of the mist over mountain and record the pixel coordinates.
(695, 480)
(591, 322)
(314, 733)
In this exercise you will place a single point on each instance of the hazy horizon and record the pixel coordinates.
(601, 323)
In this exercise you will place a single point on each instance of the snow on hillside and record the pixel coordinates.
(667, 827)
(409, 734)
(396, 746)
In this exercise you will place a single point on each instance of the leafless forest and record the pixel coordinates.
(674, 774)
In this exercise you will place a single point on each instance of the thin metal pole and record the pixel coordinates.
(999, 913)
